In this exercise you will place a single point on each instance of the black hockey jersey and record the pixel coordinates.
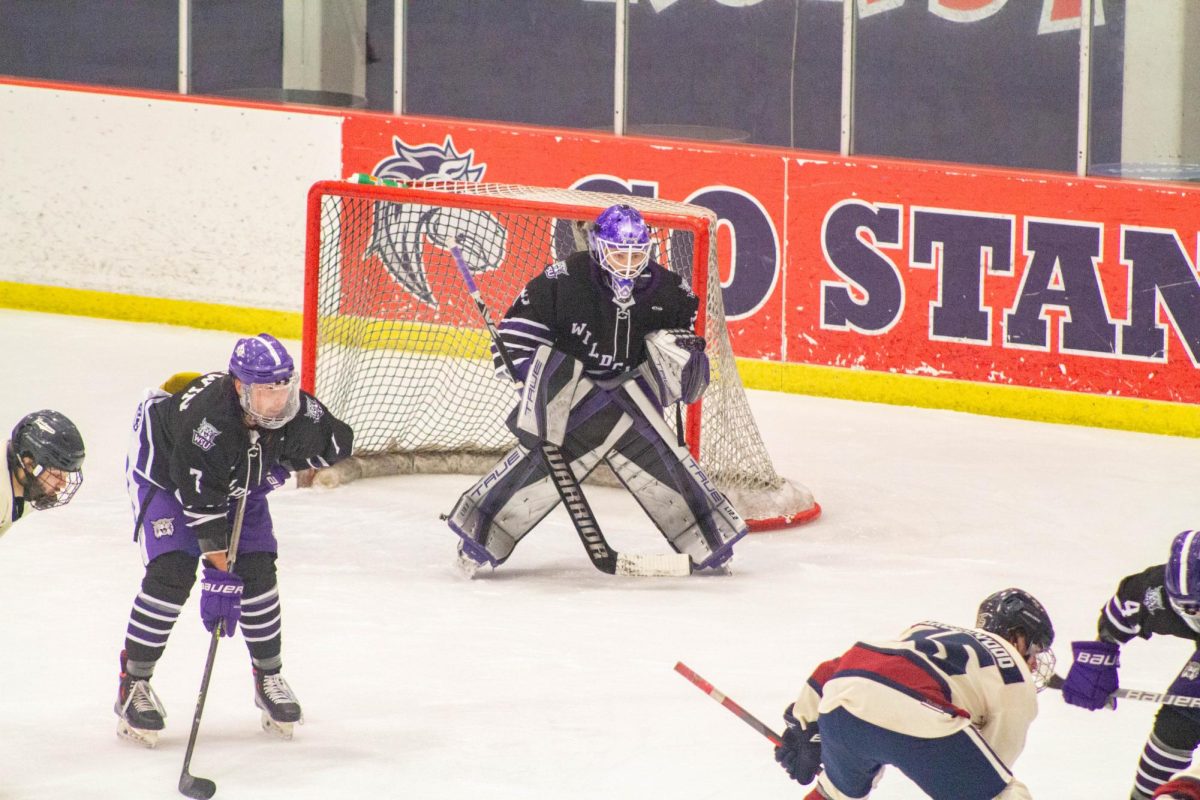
(1141, 608)
(570, 307)
(196, 445)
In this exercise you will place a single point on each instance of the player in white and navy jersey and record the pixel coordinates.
(949, 707)
(42, 467)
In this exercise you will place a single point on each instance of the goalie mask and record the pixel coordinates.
(1010, 612)
(1183, 577)
(270, 389)
(48, 450)
(620, 243)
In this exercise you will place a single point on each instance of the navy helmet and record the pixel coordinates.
(48, 449)
(1016, 611)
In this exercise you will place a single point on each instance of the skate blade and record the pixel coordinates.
(140, 736)
(281, 729)
(467, 566)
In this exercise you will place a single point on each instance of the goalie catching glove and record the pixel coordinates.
(676, 366)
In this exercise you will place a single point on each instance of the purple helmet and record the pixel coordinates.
(1183, 571)
(620, 242)
(270, 392)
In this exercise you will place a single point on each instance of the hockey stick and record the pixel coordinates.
(190, 785)
(602, 556)
(1181, 700)
(741, 713)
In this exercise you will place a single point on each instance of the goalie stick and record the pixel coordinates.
(741, 713)
(1180, 700)
(189, 784)
(602, 555)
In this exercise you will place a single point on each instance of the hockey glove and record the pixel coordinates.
(1093, 675)
(676, 366)
(220, 600)
(276, 479)
(800, 753)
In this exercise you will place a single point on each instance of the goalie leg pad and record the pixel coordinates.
(553, 387)
(495, 514)
(672, 489)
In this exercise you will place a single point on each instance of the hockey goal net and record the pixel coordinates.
(395, 346)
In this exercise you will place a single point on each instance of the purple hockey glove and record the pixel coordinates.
(1093, 675)
(220, 600)
(276, 478)
(800, 753)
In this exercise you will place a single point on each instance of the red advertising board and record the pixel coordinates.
(1038, 280)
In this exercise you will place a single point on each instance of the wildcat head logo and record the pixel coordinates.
(401, 230)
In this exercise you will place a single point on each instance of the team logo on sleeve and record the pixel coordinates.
(315, 411)
(556, 269)
(1191, 671)
(163, 527)
(1153, 601)
(205, 435)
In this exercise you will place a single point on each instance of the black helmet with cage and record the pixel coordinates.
(1012, 612)
(46, 454)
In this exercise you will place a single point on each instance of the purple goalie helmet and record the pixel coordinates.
(270, 391)
(620, 242)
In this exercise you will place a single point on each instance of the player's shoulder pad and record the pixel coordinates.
(312, 409)
(179, 381)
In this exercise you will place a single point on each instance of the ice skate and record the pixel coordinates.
(139, 710)
(281, 709)
(466, 563)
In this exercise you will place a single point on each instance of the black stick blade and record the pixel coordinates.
(199, 788)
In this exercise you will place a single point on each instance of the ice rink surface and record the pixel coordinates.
(547, 678)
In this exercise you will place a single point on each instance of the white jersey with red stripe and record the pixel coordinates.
(964, 676)
(6, 496)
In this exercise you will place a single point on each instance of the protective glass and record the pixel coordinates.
(271, 405)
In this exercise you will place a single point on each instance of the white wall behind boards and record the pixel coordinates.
(159, 198)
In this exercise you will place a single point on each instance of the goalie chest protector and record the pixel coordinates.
(572, 299)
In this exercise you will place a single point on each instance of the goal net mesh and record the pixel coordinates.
(395, 346)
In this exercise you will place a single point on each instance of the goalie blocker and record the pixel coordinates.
(618, 422)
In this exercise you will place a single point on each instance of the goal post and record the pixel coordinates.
(394, 345)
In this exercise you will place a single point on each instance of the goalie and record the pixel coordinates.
(601, 342)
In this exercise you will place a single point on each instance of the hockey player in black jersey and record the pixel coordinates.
(43, 465)
(1160, 600)
(193, 455)
(602, 342)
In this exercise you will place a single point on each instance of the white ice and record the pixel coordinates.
(547, 678)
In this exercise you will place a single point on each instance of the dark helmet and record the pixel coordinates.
(1015, 610)
(50, 441)
(1183, 570)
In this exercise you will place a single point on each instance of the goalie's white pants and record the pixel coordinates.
(624, 427)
